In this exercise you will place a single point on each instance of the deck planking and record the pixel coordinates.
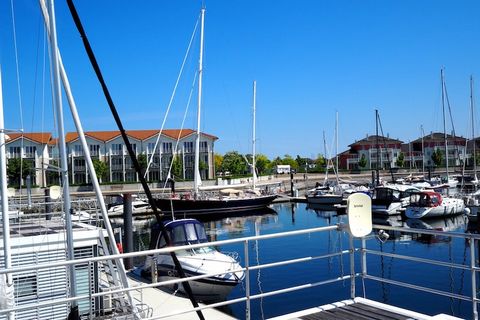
(356, 311)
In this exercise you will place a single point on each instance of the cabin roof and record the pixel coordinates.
(38, 137)
(372, 140)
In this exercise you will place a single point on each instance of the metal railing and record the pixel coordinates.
(354, 253)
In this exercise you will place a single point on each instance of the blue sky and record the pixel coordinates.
(309, 58)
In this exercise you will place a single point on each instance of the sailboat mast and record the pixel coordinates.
(253, 133)
(444, 122)
(378, 146)
(472, 110)
(336, 146)
(423, 152)
(7, 256)
(57, 93)
(196, 179)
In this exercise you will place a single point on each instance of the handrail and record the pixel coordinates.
(352, 274)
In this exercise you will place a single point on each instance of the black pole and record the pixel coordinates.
(127, 229)
(48, 204)
(113, 109)
(291, 185)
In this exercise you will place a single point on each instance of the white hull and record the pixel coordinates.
(446, 208)
(392, 209)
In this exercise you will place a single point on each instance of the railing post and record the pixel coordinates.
(247, 282)
(474, 282)
(352, 268)
(364, 264)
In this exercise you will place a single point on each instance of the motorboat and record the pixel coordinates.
(194, 262)
(428, 204)
(325, 195)
(138, 206)
(389, 199)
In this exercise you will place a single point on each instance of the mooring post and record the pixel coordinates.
(291, 185)
(48, 205)
(373, 178)
(127, 228)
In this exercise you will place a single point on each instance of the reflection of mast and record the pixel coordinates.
(257, 233)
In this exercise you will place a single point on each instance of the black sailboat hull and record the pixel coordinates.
(191, 207)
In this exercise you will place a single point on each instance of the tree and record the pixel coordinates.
(262, 164)
(177, 167)
(218, 159)
(320, 162)
(400, 160)
(142, 162)
(17, 168)
(234, 163)
(288, 160)
(362, 162)
(53, 173)
(437, 157)
(101, 169)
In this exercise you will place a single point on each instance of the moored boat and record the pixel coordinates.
(389, 199)
(194, 262)
(427, 204)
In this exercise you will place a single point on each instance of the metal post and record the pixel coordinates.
(29, 191)
(364, 264)
(291, 185)
(48, 205)
(352, 268)
(474, 283)
(247, 281)
(127, 229)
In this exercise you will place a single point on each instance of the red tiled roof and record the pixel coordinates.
(136, 134)
(39, 137)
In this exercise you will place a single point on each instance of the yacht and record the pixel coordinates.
(428, 204)
(194, 262)
(390, 199)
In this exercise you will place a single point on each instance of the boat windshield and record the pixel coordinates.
(425, 199)
(184, 233)
(387, 194)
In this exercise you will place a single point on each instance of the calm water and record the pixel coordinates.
(286, 217)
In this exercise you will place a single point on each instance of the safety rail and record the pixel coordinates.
(352, 274)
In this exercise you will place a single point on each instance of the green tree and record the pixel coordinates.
(262, 164)
(218, 159)
(53, 173)
(437, 157)
(400, 160)
(362, 163)
(101, 169)
(17, 168)
(320, 163)
(177, 168)
(287, 159)
(234, 163)
(142, 162)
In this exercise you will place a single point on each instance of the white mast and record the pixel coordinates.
(57, 97)
(444, 123)
(336, 146)
(196, 180)
(423, 153)
(253, 133)
(88, 159)
(7, 256)
(472, 108)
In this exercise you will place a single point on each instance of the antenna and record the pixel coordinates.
(359, 212)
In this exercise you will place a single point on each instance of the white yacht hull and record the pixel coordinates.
(446, 208)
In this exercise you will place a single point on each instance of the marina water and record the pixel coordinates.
(288, 217)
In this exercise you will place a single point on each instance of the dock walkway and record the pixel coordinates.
(360, 309)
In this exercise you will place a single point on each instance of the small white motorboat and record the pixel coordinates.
(194, 262)
(389, 199)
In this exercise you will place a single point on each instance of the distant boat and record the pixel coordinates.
(389, 199)
(428, 204)
(325, 195)
(229, 200)
(195, 262)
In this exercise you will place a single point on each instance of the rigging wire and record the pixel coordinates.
(172, 96)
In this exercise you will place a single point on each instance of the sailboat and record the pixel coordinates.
(229, 200)
(427, 204)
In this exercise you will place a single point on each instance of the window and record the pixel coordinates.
(78, 150)
(188, 147)
(167, 147)
(203, 146)
(134, 147)
(150, 147)
(30, 151)
(117, 148)
(14, 152)
(94, 149)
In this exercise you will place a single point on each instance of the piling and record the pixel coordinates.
(48, 204)
(127, 229)
(291, 185)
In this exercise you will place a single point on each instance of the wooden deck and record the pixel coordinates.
(360, 309)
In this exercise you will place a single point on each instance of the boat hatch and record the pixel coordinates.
(183, 232)
(424, 199)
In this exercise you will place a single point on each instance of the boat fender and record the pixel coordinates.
(467, 211)
(120, 247)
